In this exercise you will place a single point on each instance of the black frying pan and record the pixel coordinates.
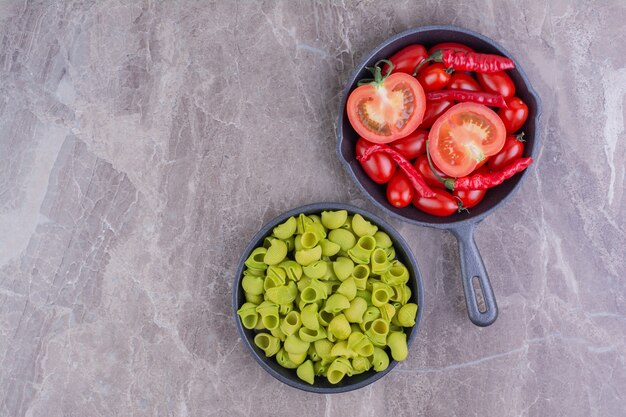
(481, 302)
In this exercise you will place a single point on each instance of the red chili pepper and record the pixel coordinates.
(483, 181)
(469, 61)
(416, 179)
(488, 99)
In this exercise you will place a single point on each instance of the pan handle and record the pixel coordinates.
(474, 277)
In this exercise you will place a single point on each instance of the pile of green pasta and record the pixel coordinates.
(328, 297)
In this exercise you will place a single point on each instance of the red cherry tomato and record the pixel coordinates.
(399, 190)
(388, 109)
(442, 204)
(413, 145)
(456, 47)
(463, 81)
(463, 137)
(497, 82)
(434, 77)
(434, 109)
(421, 165)
(515, 116)
(379, 167)
(513, 148)
(406, 59)
(470, 198)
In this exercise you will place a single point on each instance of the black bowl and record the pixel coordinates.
(482, 308)
(288, 376)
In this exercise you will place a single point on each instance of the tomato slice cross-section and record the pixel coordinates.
(388, 110)
(463, 137)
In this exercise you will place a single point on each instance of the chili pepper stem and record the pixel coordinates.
(448, 182)
(520, 137)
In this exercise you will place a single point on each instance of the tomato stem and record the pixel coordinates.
(436, 56)
(520, 137)
(448, 182)
(377, 72)
(460, 204)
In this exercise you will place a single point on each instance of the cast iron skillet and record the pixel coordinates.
(481, 303)
(288, 376)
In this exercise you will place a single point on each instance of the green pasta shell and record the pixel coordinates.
(341, 349)
(360, 365)
(339, 327)
(253, 298)
(324, 317)
(256, 259)
(284, 294)
(334, 219)
(320, 368)
(381, 293)
(309, 317)
(379, 262)
(344, 238)
(361, 252)
(336, 303)
(293, 344)
(362, 227)
(401, 294)
(382, 240)
(343, 268)
(282, 357)
(355, 312)
(291, 323)
(378, 331)
(396, 275)
(323, 348)
(397, 344)
(297, 358)
(406, 315)
(308, 335)
(360, 344)
(315, 291)
(329, 248)
(275, 253)
(286, 229)
(252, 285)
(380, 360)
(316, 269)
(387, 311)
(307, 256)
(267, 343)
(248, 315)
(269, 314)
(360, 273)
(277, 333)
(338, 369)
(306, 373)
(292, 269)
(308, 240)
(315, 228)
(348, 288)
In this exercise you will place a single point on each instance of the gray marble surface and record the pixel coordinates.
(142, 144)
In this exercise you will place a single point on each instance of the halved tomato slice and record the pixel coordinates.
(463, 137)
(389, 107)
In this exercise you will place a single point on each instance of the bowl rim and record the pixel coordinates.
(398, 241)
(352, 80)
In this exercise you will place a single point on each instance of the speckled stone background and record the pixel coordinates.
(142, 144)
